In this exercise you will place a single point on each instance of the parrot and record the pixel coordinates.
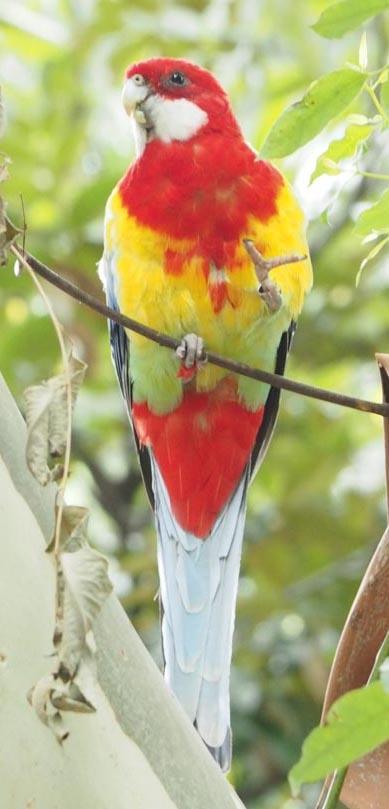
(203, 241)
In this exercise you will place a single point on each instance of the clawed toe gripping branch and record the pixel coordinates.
(268, 290)
(192, 355)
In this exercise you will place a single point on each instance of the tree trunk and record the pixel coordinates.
(138, 750)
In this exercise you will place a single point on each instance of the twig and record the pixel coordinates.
(276, 380)
(331, 800)
(65, 359)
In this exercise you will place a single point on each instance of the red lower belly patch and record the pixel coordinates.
(201, 449)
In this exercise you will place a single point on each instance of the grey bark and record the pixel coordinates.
(138, 751)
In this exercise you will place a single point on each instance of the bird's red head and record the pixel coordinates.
(174, 99)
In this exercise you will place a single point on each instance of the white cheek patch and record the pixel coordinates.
(140, 136)
(174, 119)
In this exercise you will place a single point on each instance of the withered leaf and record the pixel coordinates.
(40, 698)
(50, 696)
(86, 587)
(58, 410)
(8, 233)
(47, 419)
(69, 697)
(74, 525)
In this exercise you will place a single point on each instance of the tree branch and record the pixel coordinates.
(276, 380)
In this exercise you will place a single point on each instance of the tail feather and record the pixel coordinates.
(223, 753)
(186, 685)
(199, 581)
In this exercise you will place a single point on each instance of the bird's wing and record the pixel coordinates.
(120, 349)
(283, 233)
(272, 403)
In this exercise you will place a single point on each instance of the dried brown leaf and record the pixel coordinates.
(58, 410)
(8, 234)
(40, 698)
(46, 417)
(86, 587)
(51, 695)
(74, 525)
(69, 697)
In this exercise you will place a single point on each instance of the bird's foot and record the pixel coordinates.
(268, 290)
(192, 356)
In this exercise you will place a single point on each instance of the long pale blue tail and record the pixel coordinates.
(199, 582)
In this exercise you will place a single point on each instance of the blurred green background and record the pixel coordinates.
(317, 508)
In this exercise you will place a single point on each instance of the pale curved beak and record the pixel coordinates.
(134, 93)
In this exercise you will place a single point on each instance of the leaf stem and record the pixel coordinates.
(65, 359)
(374, 175)
(376, 102)
(332, 797)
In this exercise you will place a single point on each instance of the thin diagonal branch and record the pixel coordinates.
(276, 380)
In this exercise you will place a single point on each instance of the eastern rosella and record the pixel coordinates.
(182, 227)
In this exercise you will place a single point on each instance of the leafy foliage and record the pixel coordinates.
(375, 218)
(325, 98)
(356, 723)
(342, 148)
(347, 15)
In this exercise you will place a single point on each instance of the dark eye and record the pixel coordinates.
(177, 78)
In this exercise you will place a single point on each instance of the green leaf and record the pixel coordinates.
(325, 98)
(342, 148)
(363, 55)
(375, 250)
(4, 163)
(357, 723)
(384, 674)
(2, 116)
(384, 96)
(375, 218)
(372, 254)
(384, 76)
(347, 15)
